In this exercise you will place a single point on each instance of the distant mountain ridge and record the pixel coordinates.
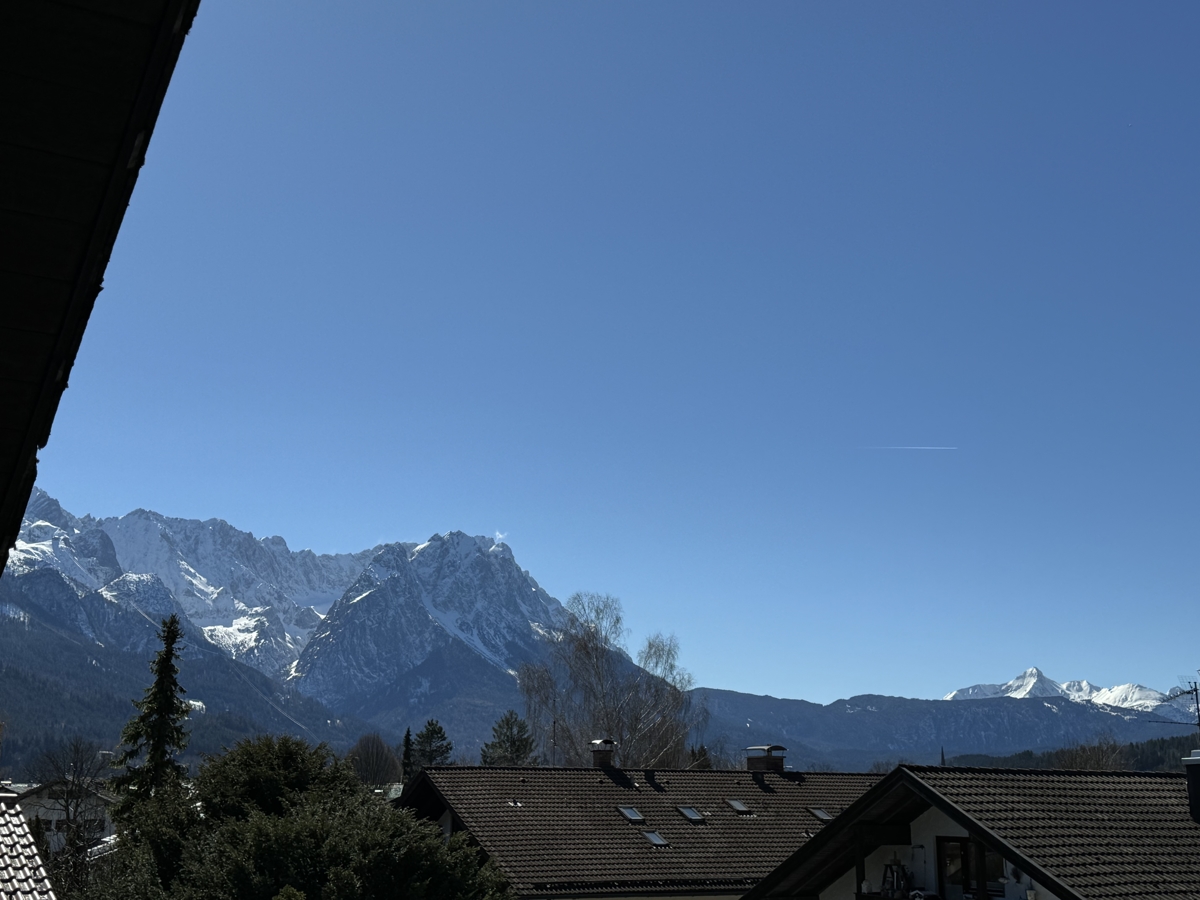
(404, 632)
(1034, 683)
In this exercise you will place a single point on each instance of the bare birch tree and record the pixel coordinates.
(591, 688)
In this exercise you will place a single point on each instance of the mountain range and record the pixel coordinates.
(401, 632)
(1034, 683)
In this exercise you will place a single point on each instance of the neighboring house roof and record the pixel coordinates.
(22, 876)
(42, 791)
(559, 832)
(82, 87)
(1084, 835)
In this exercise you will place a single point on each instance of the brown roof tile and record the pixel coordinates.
(1103, 834)
(553, 830)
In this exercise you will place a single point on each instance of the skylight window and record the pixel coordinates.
(820, 814)
(691, 814)
(632, 814)
(738, 807)
(656, 839)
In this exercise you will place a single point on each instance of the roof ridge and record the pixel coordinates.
(1129, 773)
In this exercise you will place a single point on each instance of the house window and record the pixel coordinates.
(957, 876)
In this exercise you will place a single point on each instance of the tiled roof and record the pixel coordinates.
(1102, 834)
(21, 874)
(554, 831)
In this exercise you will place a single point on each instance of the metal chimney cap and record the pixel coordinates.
(769, 749)
(1192, 760)
(603, 744)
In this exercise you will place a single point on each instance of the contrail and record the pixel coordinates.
(907, 448)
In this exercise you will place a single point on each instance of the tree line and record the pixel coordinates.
(273, 818)
(277, 818)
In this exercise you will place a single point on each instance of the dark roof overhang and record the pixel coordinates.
(83, 84)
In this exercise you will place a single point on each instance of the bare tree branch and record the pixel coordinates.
(590, 688)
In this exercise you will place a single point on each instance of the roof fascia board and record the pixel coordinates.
(172, 29)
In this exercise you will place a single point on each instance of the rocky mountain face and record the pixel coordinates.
(253, 597)
(453, 597)
(412, 631)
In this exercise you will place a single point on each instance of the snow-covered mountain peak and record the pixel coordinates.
(1034, 683)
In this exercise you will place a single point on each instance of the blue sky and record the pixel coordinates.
(642, 286)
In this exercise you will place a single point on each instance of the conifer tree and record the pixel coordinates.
(511, 743)
(155, 735)
(154, 814)
(431, 747)
(406, 757)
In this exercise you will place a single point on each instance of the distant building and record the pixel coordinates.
(610, 832)
(1018, 834)
(51, 808)
(21, 871)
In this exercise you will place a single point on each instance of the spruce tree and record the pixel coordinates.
(431, 747)
(511, 743)
(155, 815)
(155, 735)
(406, 757)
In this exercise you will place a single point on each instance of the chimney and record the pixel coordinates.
(1191, 765)
(602, 753)
(766, 760)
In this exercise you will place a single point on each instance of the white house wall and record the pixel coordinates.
(921, 858)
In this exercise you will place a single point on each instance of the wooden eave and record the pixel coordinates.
(81, 84)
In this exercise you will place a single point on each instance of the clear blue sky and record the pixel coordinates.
(639, 284)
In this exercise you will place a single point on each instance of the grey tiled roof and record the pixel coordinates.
(21, 874)
(554, 831)
(1102, 834)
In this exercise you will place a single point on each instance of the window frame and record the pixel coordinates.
(970, 880)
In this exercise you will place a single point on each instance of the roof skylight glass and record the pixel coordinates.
(632, 814)
(691, 814)
(738, 806)
(656, 839)
(820, 814)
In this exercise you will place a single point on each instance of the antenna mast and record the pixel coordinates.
(1192, 686)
